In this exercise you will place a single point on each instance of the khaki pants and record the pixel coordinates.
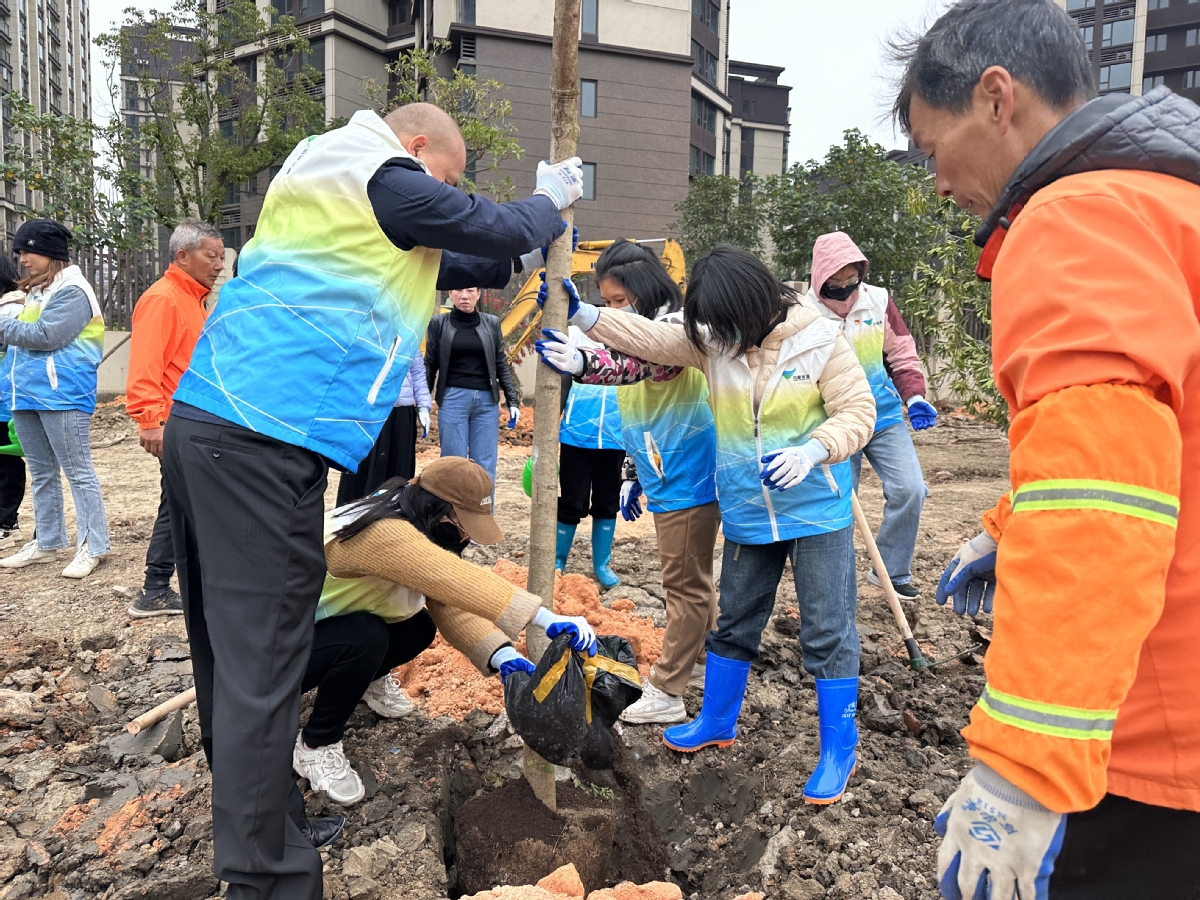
(686, 538)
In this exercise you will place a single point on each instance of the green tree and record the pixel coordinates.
(223, 95)
(474, 103)
(855, 189)
(722, 210)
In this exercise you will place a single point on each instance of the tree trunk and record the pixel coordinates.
(564, 135)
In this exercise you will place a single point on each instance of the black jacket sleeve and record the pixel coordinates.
(432, 337)
(503, 373)
(414, 210)
(461, 271)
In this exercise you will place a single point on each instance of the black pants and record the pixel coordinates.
(12, 483)
(1125, 850)
(589, 482)
(160, 555)
(394, 454)
(246, 514)
(348, 653)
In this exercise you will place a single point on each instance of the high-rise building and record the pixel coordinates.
(655, 104)
(758, 140)
(45, 51)
(1136, 45)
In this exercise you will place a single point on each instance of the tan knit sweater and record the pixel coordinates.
(475, 609)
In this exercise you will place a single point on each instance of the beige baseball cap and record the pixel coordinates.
(466, 486)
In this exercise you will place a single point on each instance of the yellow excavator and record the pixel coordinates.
(524, 317)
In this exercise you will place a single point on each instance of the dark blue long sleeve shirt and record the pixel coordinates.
(479, 239)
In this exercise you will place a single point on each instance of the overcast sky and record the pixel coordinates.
(832, 51)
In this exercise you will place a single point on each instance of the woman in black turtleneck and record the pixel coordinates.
(465, 360)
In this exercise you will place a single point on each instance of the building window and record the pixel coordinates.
(588, 17)
(749, 107)
(707, 12)
(398, 11)
(746, 163)
(1192, 79)
(1116, 77)
(1158, 4)
(232, 237)
(704, 63)
(1191, 37)
(704, 114)
(701, 163)
(1081, 4)
(1149, 84)
(1117, 33)
(587, 99)
(589, 181)
(1155, 43)
(1087, 33)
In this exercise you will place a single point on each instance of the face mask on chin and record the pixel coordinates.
(629, 308)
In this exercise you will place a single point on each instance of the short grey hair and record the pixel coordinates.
(190, 234)
(1035, 40)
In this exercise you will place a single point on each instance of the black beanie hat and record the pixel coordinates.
(44, 237)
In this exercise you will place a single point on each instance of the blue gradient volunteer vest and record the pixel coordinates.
(311, 342)
(592, 419)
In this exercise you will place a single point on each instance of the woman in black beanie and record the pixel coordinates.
(54, 350)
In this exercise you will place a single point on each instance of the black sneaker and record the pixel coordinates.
(10, 537)
(907, 591)
(163, 603)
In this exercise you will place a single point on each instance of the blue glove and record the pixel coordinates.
(514, 413)
(581, 314)
(583, 635)
(506, 660)
(971, 576)
(559, 353)
(631, 505)
(997, 841)
(921, 414)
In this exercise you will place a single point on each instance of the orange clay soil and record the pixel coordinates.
(445, 683)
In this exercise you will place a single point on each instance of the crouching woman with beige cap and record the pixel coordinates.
(395, 580)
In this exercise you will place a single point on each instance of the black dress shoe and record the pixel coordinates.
(324, 831)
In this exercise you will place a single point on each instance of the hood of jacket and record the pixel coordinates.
(1157, 132)
(832, 252)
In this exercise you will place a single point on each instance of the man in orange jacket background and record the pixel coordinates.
(166, 325)
(1087, 735)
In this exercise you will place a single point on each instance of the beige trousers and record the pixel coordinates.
(686, 538)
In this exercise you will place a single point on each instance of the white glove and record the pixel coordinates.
(995, 833)
(557, 350)
(583, 635)
(514, 414)
(562, 182)
(788, 467)
(423, 418)
(532, 261)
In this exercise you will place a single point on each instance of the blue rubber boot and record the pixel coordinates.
(837, 703)
(602, 541)
(716, 726)
(565, 537)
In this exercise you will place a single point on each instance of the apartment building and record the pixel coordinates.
(45, 51)
(1136, 45)
(655, 102)
(758, 138)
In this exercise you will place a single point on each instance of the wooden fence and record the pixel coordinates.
(119, 277)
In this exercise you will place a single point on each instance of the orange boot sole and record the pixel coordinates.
(808, 799)
(721, 744)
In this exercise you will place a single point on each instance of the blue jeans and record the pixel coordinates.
(823, 567)
(894, 459)
(54, 440)
(469, 426)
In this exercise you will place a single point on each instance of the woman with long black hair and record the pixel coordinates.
(395, 580)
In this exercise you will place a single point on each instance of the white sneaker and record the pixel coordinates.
(9, 536)
(696, 679)
(654, 707)
(82, 565)
(385, 697)
(28, 555)
(327, 769)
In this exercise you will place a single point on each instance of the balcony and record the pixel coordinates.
(5, 34)
(4, 10)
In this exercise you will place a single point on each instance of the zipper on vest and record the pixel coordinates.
(383, 373)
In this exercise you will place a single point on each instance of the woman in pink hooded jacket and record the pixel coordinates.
(872, 323)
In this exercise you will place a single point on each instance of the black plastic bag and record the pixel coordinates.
(568, 706)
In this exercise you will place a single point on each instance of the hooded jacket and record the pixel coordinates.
(1094, 251)
(874, 327)
(802, 382)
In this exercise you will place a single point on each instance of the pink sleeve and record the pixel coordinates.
(602, 365)
(900, 355)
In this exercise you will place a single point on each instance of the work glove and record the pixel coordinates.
(562, 182)
(788, 467)
(971, 576)
(514, 413)
(921, 414)
(536, 259)
(506, 660)
(583, 635)
(582, 315)
(997, 841)
(558, 351)
(423, 418)
(631, 505)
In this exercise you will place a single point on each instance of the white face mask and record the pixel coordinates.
(630, 308)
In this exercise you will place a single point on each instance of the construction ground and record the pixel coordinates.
(88, 811)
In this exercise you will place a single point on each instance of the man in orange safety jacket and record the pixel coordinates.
(1087, 734)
